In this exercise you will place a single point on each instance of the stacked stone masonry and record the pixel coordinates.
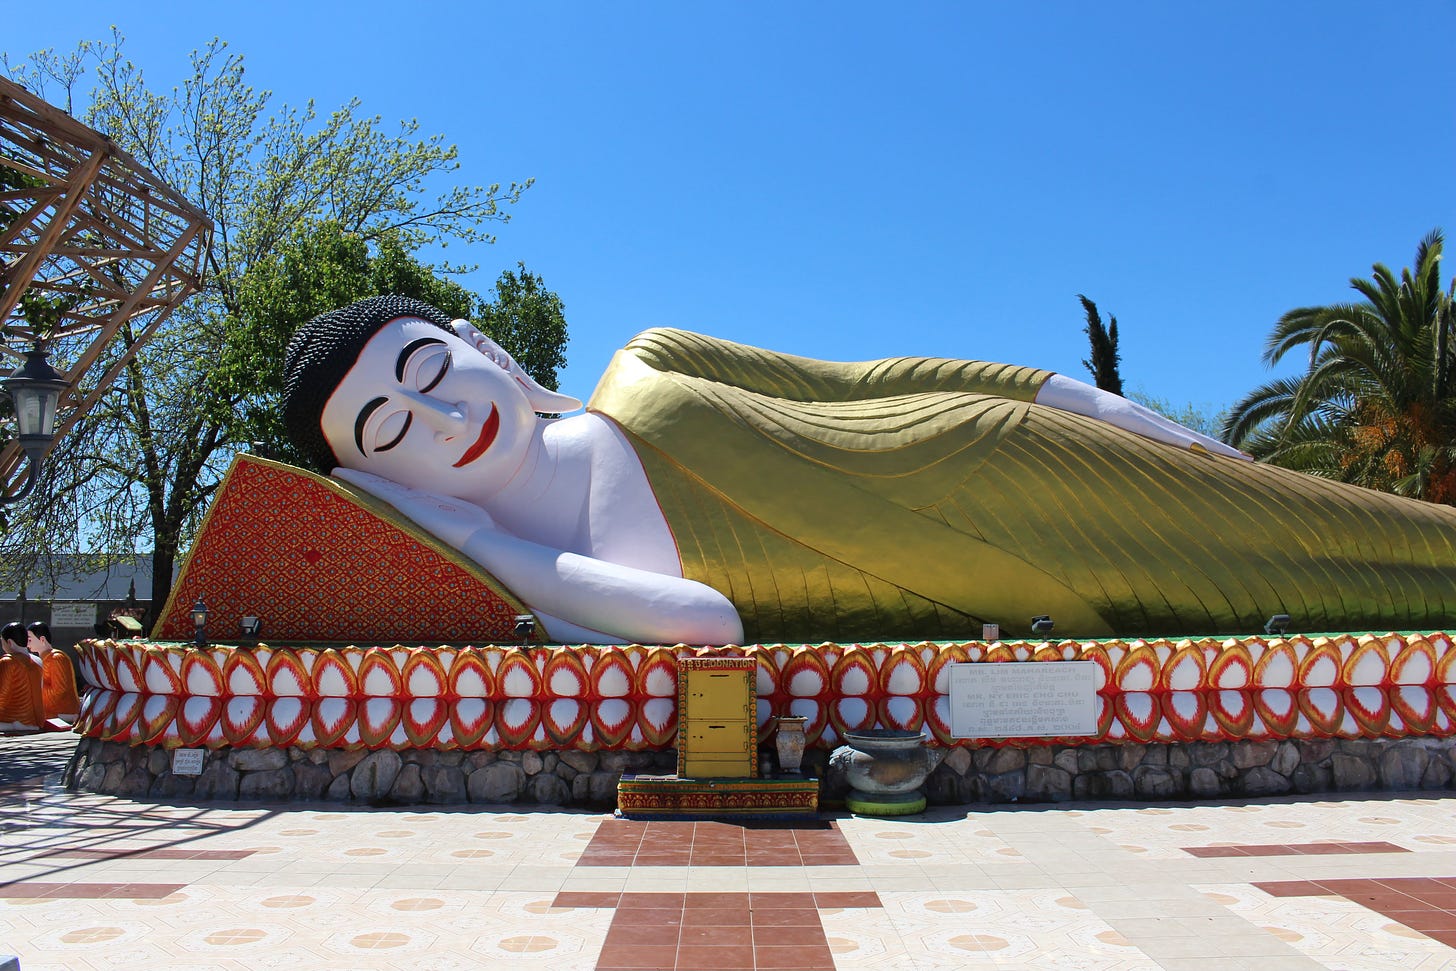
(1052, 773)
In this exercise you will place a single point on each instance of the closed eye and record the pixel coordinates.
(440, 374)
(404, 427)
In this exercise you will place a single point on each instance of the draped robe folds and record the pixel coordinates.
(58, 686)
(922, 497)
(21, 701)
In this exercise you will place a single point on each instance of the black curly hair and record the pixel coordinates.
(322, 351)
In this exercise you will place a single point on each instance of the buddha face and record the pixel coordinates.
(423, 408)
(35, 643)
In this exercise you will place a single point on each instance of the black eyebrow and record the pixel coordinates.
(410, 348)
(364, 414)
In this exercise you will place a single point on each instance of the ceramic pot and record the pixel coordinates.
(885, 768)
(789, 740)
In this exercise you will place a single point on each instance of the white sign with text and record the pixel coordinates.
(187, 761)
(73, 615)
(1023, 699)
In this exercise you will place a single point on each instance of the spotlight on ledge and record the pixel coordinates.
(1041, 624)
(251, 626)
(525, 628)
(1277, 625)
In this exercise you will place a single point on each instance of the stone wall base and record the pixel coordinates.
(1195, 770)
(382, 777)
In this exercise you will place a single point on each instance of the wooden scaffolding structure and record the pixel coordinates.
(83, 225)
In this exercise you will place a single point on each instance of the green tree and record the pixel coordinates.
(529, 321)
(1105, 359)
(321, 267)
(140, 468)
(1374, 406)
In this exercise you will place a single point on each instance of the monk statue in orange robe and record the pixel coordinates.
(22, 708)
(58, 675)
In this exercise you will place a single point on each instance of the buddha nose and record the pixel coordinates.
(447, 418)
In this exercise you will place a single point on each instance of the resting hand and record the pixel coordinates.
(451, 520)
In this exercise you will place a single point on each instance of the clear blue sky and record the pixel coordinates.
(850, 180)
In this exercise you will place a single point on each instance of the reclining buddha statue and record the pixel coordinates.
(714, 493)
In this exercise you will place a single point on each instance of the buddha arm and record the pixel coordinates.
(1066, 394)
(696, 356)
(588, 594)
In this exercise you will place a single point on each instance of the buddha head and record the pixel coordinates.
(390, 386)
(38, 637)
(12, 638)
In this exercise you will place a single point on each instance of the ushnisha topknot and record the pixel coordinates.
(319, 356)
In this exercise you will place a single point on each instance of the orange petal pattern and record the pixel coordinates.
(1345, 686)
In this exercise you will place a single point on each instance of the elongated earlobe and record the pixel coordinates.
(542, 400)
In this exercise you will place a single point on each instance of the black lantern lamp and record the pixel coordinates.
(35, 389)
(525, 628)
(199, 621)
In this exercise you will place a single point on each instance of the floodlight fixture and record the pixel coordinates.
(1277, 625)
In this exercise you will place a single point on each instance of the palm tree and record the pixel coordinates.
(1375, 408)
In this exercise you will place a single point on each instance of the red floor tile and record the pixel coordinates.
(145, 854)
(716, 931)
(716, 936)
(28, 889)
(629, 843)
(847, 898)
(793, 958)
(1294, 888)
(1291, 849)
(1423, 904)
(586, 898)
(633, 957)
(765, 901)
(767, 935)
(713, 957)
(720, 918)
(787, 917)
(655, 900)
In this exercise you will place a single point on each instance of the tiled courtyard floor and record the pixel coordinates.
(1360, 883)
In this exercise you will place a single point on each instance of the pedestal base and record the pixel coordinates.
(675, 797)
(871, 804)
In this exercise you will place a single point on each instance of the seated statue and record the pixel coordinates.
(21, 705)
(716, 493)
(59, 696)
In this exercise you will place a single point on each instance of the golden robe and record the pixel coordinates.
(921, 497)
(20, 691)
(58, 686)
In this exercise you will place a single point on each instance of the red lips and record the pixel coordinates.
(487, 435)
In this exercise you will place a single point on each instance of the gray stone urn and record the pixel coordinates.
(789, 741)
(885, 768)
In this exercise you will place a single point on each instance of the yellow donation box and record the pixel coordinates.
(717, 733)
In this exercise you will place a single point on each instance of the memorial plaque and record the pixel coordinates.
(1025, 699)
(187, 761)
(73, 615)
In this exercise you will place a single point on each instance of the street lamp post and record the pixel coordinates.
(35, 389)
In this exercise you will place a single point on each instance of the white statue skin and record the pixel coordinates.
(444, 427)
(559, 510)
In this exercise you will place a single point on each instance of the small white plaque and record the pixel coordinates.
(1023, 699)
(990, 632)
(187, 761)
(73, 615)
